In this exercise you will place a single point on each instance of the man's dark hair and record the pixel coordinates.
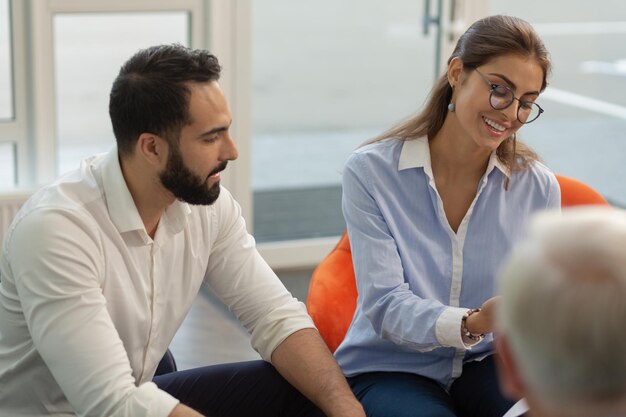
(150, 94)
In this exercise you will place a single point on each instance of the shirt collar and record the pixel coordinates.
(495, 162)
(416, 154)
(175, 216)
(121, 205)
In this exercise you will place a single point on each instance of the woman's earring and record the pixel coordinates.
(451, 107)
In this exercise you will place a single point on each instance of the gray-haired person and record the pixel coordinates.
(562, 340)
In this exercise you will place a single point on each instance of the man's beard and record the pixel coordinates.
(185, 185)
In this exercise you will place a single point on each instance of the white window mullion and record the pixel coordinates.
(44, 129)
(19, 130)
(457, 16)
(44, 108)
(229, 29)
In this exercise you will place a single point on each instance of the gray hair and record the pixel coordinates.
(563, 309)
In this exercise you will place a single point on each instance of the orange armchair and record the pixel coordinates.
(332, 290)
(576, 193)
(332, 294)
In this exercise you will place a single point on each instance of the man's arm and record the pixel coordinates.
(182, 410)
(56, 261)
(304, 360)
(281, 330)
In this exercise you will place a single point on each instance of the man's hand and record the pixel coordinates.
(483, 321)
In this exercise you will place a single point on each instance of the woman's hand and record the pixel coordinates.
(483, 321)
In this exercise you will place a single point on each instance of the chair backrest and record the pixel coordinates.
(576, 193)
(167, 364)
(332, 294)
(332, 290)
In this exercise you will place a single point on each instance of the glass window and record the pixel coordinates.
(327, 75)
(7, 166)
(6, 70)
(89, 49)
(581, 133)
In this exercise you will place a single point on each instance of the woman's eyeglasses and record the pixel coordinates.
(502, 97)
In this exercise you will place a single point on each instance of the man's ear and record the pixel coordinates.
(152, 148)
(511, 382)
(456, 72)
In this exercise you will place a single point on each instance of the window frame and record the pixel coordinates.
(44, 100)
(224, 28)
(306, 253)
(11, 59)
(16, 130)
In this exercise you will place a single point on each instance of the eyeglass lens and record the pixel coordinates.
(502, 97)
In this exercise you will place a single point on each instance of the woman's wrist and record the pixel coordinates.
(468, 327)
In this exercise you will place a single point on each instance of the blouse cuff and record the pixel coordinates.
(448, 329)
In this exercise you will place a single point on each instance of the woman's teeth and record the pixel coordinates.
(494, 125)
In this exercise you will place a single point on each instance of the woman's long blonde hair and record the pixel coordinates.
(485, 40)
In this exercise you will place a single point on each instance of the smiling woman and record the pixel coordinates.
(489, 122)
(432, 206)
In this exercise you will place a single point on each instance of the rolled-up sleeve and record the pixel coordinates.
(241, 278)
(57, 263)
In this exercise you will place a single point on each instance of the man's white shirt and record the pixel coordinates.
(89, 302)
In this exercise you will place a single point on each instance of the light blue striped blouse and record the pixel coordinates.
(415, 276)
